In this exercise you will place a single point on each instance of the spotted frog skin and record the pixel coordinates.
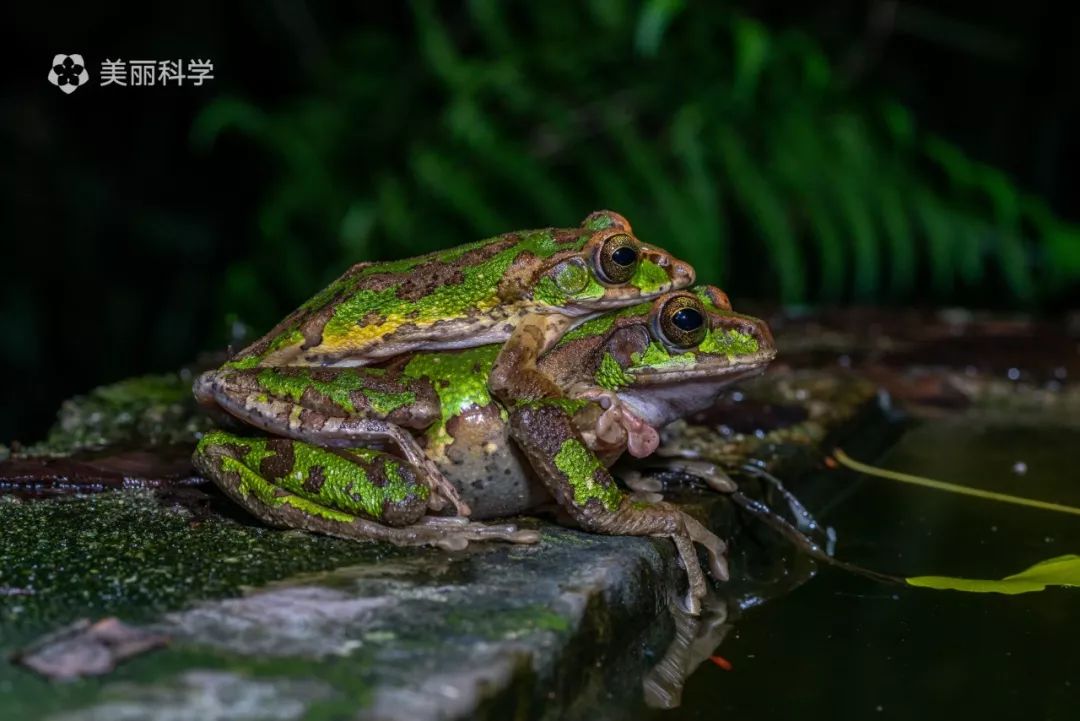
(621, 376)
(524, 289)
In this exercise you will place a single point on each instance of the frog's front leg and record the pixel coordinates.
(514, 376)
(334, 408)
(586, 490)
(350, 493)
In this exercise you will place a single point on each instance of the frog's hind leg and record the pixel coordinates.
(285, 418)
(293, 485)
(349, 432)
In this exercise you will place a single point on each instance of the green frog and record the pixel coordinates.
(523, 289)
(621, 376)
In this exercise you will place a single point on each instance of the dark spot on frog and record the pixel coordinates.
(282, 460)
(315, 408)
(323, 375)
(488, 250)
(315, 479)
(376, 474)
(312, 326)
(546, 426)
(237, 450)
(371, 318)
(309, 419)
(379, 281)
(563, 236)
(423, 279)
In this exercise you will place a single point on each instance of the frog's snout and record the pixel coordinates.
(203, 389)
(759, 330)
(680, 273)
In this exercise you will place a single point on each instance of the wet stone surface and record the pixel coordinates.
(261, 627)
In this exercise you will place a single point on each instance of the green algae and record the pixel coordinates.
(657, 356)
(580, 465)
(731, 343)
(650, 278)
(611, 375)
(384, 402)
(339, 389)
(146, 410)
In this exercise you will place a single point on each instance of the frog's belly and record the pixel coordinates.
(488, 470)
(497, 484)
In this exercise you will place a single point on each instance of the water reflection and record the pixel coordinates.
(844, 646)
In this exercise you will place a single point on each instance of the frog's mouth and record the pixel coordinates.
(615, 298)
(737, 368)
(659, 397)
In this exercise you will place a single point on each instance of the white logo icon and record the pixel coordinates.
(68, 72)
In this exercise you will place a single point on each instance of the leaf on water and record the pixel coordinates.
(1059, 571)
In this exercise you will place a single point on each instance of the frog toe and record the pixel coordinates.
(696, 587)
(459, 527)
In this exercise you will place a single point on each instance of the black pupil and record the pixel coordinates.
(624, 255)
(686, 319)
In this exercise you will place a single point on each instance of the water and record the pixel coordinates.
(845, 647)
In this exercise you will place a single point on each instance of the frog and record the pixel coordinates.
(621, 376)
(524, 289)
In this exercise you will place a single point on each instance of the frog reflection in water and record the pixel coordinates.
(622, 375)
(522, 289)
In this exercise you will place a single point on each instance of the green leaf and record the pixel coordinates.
(751, 54)
(656, 15)
(899, 123)
(1059, 571)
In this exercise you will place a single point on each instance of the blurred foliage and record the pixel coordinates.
(738, 147)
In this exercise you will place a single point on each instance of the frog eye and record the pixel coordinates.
(682, 321)
(617, 258)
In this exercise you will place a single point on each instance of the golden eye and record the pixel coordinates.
(682, 321)
(617, 258)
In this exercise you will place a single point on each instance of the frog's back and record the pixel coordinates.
(462, 297)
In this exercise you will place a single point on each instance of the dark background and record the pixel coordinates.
(849, 152)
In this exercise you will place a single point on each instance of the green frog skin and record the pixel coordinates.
(621, 376)
(524, 288)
